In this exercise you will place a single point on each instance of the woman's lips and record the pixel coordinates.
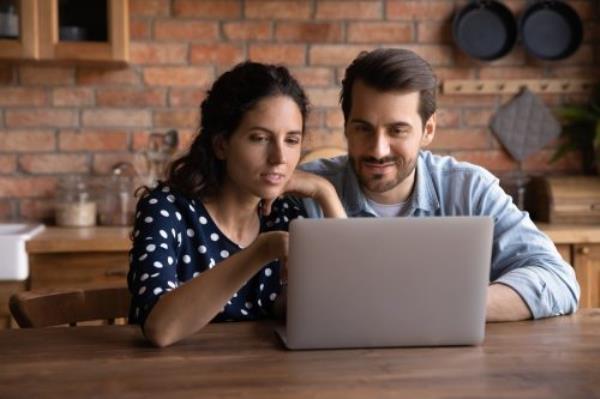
(273, 178)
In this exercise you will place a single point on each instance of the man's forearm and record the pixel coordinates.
(504, 304)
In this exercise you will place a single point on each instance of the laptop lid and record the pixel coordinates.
(377, 282)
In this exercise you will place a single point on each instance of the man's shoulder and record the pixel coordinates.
(329, 168)
(450, 170)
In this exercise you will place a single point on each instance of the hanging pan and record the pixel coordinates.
(485, 29)
(551, 30)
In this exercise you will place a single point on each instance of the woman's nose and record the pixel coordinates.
(276, 154)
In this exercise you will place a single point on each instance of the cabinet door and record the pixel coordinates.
(565, 251)
(587, 268)
(114, 48)
(25, 45)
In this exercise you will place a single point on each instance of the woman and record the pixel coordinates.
(204, 226)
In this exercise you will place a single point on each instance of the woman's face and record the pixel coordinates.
(263, 152)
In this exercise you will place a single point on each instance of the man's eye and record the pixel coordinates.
(362, 129)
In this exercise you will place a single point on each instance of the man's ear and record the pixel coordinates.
(220, 147)
(429, 131)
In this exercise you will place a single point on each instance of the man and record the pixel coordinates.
(388, 101)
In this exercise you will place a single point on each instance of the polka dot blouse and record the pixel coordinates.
(175, 240)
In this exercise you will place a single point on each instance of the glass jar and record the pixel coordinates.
(116, 207)
(74, 205)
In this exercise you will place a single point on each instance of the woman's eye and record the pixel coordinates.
(259, 139)
(293, 140)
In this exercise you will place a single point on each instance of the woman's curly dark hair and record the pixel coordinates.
(199, 173)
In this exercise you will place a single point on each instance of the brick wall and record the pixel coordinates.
(60, 120)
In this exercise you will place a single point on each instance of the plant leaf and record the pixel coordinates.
(562, 150)
(597, 137)
(575, 113)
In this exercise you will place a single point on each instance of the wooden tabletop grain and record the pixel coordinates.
(553, 358)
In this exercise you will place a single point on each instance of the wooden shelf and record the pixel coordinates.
(511, 86)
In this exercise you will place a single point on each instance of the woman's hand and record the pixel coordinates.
(272, 245)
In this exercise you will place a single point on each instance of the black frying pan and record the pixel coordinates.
(551, 30)
(485, 29)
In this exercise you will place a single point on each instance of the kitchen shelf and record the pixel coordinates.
(511, 86)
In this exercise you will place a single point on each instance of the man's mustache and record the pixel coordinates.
(380, 161)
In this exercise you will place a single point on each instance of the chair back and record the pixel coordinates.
(53, 308)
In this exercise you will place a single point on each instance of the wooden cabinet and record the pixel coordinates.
(40, 38)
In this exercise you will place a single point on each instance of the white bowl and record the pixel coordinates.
(14, 263)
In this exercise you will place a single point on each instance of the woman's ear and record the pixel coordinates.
(220, 147)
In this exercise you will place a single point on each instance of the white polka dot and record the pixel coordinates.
(259, 302)
(150, 247)
(164, 245)
(224, 254)
(137, 233)
(300, 216)
(155, 275)
(170, 260)
(148, 238)
(285, 205)
(190, 233)
(248, 305)
(187, 259)
(171, 198)
(144, 277)
(157, 264)
(268, 271)
(163, 234)
(174, 233)
(195, 274)
(157, 290)
(166, 189)
(202, 220)
(171, 284)
(144, 256)
(164, 213)
(178, 215)
(142, 290)
(214, 237)
(152, 201)
(148, 219)
(202, 249)
(235, 295)
(262, 287)
(277, 220)
(285, 219)
(273, 296)
(211, 264)
(137, 215)
(192, 208)
(244, 312)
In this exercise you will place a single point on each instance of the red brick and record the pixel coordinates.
(313, 76)
(103, 163)
(93, 140)
(39, 210)
(343, 10)
(264, 9)
(419, 9)
(288, 54)
(183, 30)
(583, 56)
(380, 32)
(78, 96)
(493, 160)
(523, 72)
(434, 32)
(315, 119)
(317, 138)
(7, 210)
(22, 96)
(216, 9)
(334, 55)
(116, 117)
(131, 97)
(182, 97)
(334, 118)
(22, 186)
(221, 54)
(6, 75)
(139, 29)
(460, 139)
(452, 72)
(248, 30)
(48, 76)
(178, 76)
(186, 136)
(100, 76)
(27, 140)
(465, 100)
(516, 57)
(311, 32)
(176, 118)
(155, 53)
(41, 164)
(477, 117)
(540, 162)
(323, 97)
(149, 8)
(448, 117)
(434, 54)
(8, 164)
(587, 10)
(41, 117)
(575, 72)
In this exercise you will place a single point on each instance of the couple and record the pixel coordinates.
(207, 241)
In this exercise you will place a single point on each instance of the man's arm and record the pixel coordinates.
(504, 304)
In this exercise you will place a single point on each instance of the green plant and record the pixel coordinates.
(581, 130)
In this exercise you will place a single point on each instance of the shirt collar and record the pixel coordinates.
(424, 196)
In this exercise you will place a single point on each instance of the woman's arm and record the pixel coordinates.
(187, 309)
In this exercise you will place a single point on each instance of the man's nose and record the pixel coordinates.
(380, 147)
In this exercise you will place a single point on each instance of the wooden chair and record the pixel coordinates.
(323, 152)
(53, 308)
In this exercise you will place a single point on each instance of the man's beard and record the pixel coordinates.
(376, 183)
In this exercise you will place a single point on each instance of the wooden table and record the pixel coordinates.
(554, 358)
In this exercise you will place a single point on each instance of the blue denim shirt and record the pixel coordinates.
(523, 257)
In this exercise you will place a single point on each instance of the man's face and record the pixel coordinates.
(385, 133)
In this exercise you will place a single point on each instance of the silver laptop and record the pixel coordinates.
(385, 282)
